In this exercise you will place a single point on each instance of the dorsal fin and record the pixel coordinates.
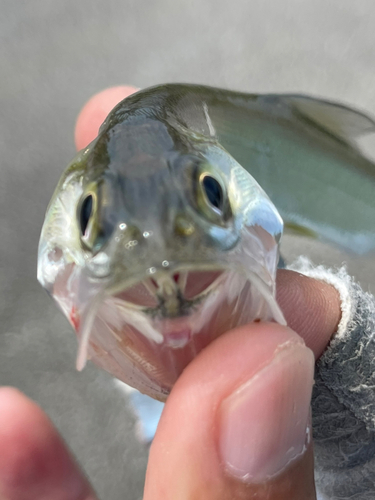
(341, 121)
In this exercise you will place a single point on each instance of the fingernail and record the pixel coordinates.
(264, 423)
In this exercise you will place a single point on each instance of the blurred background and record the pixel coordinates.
(53, 57)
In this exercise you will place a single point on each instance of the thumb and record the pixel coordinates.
(236, 425)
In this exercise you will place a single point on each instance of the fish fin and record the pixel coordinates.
(339, 120)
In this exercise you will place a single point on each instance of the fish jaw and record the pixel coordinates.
(140, 330)
(149, 351)
(142, 345)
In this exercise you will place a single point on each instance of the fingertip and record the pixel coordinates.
(34, 462)
(8, 393)
(311, 308)
(15, 408)
(95, 111)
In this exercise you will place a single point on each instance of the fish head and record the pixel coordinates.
(156, 241)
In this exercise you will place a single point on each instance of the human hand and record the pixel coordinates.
(237, 415)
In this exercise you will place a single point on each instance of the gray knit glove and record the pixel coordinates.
(343, 402)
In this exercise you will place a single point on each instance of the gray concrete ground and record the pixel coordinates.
(53, 56)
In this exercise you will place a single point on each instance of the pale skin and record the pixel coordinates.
(186, 461)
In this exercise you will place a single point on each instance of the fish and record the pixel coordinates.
(164, 232)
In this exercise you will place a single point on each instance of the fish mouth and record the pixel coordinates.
(147, 332)
(170, 294)
(170, 301)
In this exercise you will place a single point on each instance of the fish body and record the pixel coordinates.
(159, 236)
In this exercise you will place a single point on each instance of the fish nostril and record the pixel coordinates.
(183, 226)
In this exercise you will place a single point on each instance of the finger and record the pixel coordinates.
(95, 111)
(311, 308)
(34, 461)
(235, 426)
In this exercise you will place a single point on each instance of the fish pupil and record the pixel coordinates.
(85, 214)
(213, 191)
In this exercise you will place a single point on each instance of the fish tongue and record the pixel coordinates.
(177, 332)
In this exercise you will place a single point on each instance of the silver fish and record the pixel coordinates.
(158, 238)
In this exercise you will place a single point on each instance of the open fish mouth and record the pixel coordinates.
(170, 301)
(146, 330)
(151, 330)
(170, 294)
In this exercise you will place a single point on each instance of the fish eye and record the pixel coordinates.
(85, 213)
(211, 197)
(96, 217)
(213, 192)
(87, 223)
